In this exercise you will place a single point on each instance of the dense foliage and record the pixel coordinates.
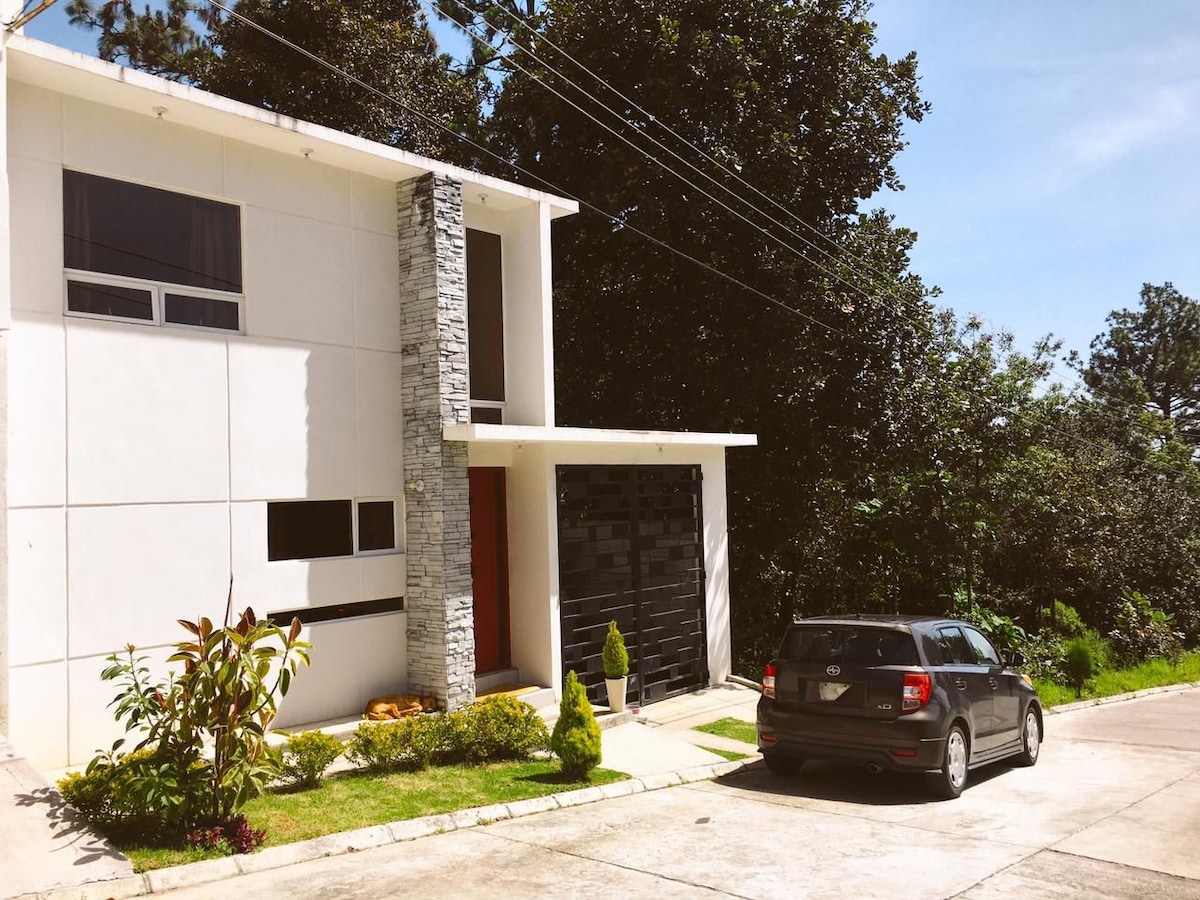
(614, 655)
(307, 755)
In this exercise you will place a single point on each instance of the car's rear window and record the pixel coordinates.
(849, 645)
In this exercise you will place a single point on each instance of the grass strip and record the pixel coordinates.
(1110, 682)
(731, 755)
(735, 729)
(352, 800)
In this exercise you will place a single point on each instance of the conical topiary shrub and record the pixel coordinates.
(614, 654)
(576, 738)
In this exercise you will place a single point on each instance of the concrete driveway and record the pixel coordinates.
(1111, 810)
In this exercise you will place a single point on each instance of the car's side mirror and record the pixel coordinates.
(1016, 659)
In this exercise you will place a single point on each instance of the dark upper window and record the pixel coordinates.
(376, 526)
(133, 252)
(485, 316)
(849, 645)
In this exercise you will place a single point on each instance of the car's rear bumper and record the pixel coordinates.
(908, 742)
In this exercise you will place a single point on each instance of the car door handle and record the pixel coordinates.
(994, 683)
(960, 684)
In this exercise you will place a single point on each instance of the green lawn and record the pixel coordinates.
(731, 755)
(1155, 673)
(735, 729)
(357, 800)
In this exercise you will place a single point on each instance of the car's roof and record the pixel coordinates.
(873, 618)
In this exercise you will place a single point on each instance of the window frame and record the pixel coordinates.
(158, 289)
(398, 550)
(999, 661)
(398, 544)
(500, 405)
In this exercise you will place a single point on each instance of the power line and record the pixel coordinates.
(1072, 382)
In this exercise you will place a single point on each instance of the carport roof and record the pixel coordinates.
(539, 434)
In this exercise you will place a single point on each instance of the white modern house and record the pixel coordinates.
(237, 344)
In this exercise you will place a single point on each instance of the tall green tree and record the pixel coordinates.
(385, 43)
(795, 96)
(1150, 356)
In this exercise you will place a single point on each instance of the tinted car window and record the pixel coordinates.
(983, 649)
(849, 645)
(955, 649)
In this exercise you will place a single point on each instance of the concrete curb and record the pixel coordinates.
(1121, 698)
(211, 870)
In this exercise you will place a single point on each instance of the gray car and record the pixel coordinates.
(911, 693)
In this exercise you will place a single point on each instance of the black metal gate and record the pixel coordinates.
(631, 548)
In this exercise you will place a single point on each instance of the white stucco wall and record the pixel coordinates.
(142, 458)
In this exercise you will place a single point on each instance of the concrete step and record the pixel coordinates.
(491, 680)
(540, 699)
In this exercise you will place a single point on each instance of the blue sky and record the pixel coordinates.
(1058, 169)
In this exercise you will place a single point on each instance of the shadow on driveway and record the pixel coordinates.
(851, 784)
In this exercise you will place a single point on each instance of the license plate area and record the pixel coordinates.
(832, 691)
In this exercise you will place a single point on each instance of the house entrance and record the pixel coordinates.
(489, 569)
(630, 546)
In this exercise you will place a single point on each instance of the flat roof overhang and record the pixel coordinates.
(539, 434)
(88, 78)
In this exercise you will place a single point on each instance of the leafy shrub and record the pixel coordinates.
(1141, 632)
(504, 727)
(614, 654)
(1044, 654)
(103, 792)
(400, 745)
(1064, 620)
(576, 738)
(1002, 631)
(230, 836)
(306, 756)
(500, 727)
(222, 703)
(1079, 663)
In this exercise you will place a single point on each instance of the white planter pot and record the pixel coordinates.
(616, 693)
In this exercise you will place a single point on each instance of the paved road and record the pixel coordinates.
(1111, 810)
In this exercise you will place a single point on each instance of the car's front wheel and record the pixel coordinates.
(788, 766)
(948, 782)
(1031, 739)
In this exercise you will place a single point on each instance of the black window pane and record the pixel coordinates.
(485, 315)
(109, 300)
(487, 415)
(128, 229)
(376, 525)
(205, 312)
(309, 529)
(955, 649)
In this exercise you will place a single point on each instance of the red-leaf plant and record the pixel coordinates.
(207, 727)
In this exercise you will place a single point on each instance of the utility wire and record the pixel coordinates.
(623, 225)
(1073, 381)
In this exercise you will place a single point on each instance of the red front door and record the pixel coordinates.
(489, 568)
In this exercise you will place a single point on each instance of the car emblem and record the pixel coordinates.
(833, 670)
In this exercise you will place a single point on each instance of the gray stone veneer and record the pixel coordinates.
(433, 328)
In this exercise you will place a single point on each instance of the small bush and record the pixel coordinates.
(504, 727)
(400, 745)
(306, 756)
(1080, 664)
(1141, 632)
(450, 736)
(614, 654)
(576, 738)
(230, 836)
(1064, 620)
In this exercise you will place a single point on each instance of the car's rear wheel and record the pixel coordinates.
(948, 782)
(1031, 739)
(787, 766)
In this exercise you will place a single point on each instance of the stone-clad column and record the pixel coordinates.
(433, 327)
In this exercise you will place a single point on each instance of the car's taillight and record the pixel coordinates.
(917, 688)
(769, 681)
